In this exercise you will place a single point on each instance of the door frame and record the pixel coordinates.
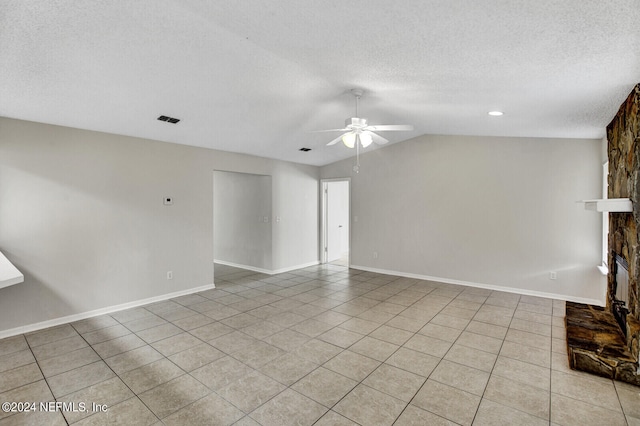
(324, 239)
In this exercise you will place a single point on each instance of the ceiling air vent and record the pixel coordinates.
(168, 119)
(305, 149)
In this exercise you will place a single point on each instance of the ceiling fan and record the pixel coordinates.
(358, 132)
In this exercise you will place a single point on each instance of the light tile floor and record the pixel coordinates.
(323, 345)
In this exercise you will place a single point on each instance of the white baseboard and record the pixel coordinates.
(486, 286)
(241, 266)
(293, 268)
(265, 271)
(102, 311)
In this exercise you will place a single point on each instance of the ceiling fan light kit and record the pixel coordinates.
(349, 139)
(365, 139)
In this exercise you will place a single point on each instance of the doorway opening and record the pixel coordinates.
(336, 224)
(242, 221)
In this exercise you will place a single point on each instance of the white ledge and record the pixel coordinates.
(613, 205)
(9, 274)
(604, 270)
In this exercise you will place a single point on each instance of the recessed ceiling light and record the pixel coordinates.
(496, 113)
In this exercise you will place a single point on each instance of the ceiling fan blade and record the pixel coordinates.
(390, 127)
(329, 130)
(378, 139)
(335, 141)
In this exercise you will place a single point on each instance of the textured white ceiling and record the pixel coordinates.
(256, 76)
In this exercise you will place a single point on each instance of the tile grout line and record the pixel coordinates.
(43, 376)
(441, 359)
(230, 355)
(287, 387)
(399, 346)
(620, 402)
(345, 297)
(361, 382)
(211, 391)
(494, 363)
(436, 366)
(163, 357)
(379, 302)
(115, 374)
(321, 365)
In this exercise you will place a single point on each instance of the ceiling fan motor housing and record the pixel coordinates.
(355, 123)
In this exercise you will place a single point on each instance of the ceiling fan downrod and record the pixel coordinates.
(357, 93)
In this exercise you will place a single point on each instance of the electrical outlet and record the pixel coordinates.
(553, 275)
(170, 275)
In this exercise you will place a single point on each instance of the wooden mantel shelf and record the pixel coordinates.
(612, 205)
(9, 274)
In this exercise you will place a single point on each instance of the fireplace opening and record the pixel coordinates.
(621, 296)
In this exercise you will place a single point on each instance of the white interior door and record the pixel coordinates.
(337, 220)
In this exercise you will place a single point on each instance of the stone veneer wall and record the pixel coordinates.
(623, 134)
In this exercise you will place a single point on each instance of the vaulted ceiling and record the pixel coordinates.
(257, 76)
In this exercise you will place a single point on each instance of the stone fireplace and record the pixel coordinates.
(604, 341)
(623, 134)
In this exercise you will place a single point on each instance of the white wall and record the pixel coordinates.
(241, 202)
(296, 204)
(490, 211)
(81, 215)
